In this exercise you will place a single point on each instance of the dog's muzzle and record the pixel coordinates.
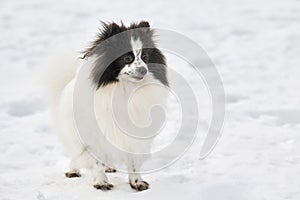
(140, 72)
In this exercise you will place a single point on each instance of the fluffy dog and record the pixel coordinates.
(133, 77)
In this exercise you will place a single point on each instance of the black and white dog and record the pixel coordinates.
(141, 65)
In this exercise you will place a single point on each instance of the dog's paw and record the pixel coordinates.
(139, 185)
(110, 170)
(72, 174)
(104, 186)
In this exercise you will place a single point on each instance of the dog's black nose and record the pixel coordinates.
(142, 70)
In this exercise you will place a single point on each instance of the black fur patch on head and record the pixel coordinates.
(109, 63)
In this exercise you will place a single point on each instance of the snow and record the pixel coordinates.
(255, 46)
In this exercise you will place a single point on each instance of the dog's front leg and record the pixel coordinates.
(100, 179)
(135, 180)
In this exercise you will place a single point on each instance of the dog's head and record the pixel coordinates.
(139, 56)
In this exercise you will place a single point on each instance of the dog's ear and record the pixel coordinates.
(111, 29)
(144, 24)
(114, 29)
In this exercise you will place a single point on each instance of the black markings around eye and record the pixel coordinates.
(128, 58)
(145, 57)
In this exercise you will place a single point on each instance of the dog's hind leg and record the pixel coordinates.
(74, 169)
(109, 167)
(110, 170)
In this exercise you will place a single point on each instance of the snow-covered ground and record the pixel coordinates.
(255, 46)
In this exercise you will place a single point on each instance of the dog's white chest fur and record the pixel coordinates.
(122, 106)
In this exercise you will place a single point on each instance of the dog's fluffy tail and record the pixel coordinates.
(58, 72)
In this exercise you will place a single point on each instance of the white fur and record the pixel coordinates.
(137, 46)
(61, 101)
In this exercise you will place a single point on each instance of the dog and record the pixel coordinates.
(136, 72)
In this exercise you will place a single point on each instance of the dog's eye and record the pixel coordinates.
(128, 59)
(145, 57)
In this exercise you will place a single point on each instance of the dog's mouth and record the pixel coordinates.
(135, 77)
(138, 77)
